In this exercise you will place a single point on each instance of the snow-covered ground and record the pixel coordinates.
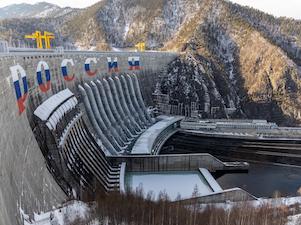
(72, 211)
(294, 220)
(77, 210)
(276, 202)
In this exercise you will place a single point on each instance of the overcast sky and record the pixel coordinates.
(62, 3)
(289, 8)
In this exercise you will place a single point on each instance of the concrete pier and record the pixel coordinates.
(125, 107)
(110, 113)
(130, 103)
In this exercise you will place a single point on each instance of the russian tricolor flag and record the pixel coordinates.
(21, 98)
(64, 64)
(134, 63)
(87, 66)
(43, 87)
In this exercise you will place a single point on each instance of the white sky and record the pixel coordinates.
(62, 3)
(289, 8)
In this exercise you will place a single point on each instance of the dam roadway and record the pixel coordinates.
(273, 150)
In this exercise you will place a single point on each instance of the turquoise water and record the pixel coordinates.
(173, 183)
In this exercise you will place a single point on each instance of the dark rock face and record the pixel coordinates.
(197, 87)
(246, 73)
(194, 82)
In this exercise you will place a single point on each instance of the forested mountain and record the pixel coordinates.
(236, 60)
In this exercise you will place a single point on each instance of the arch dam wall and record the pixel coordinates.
(26, 80)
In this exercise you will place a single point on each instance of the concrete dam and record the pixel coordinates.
(30, 177)
(73, 123)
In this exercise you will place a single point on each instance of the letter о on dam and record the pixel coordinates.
(17, 71)
(64, 64)
(44, 87)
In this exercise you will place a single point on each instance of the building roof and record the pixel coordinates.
(47, 107)
(147, 140)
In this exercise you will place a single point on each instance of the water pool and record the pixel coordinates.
(173, 183)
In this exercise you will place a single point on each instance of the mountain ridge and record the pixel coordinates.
(37, 10)
(235, 61)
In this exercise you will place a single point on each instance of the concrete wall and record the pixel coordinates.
(233, 195)
(158, 163)
(25, 181)
(151, 64)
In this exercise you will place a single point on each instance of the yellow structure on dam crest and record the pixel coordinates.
(140, 47)
(47, 37)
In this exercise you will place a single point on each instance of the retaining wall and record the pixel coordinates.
(158, 163)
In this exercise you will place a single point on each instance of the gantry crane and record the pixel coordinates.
(140, 47)
(47, 37)
(38, 37)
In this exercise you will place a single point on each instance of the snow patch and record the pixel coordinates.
(61, 216)
(126, 30)
(275, 202)
(116, 49)
(45, 13)
(294, 220)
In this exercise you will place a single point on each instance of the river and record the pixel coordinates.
(263, 180)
